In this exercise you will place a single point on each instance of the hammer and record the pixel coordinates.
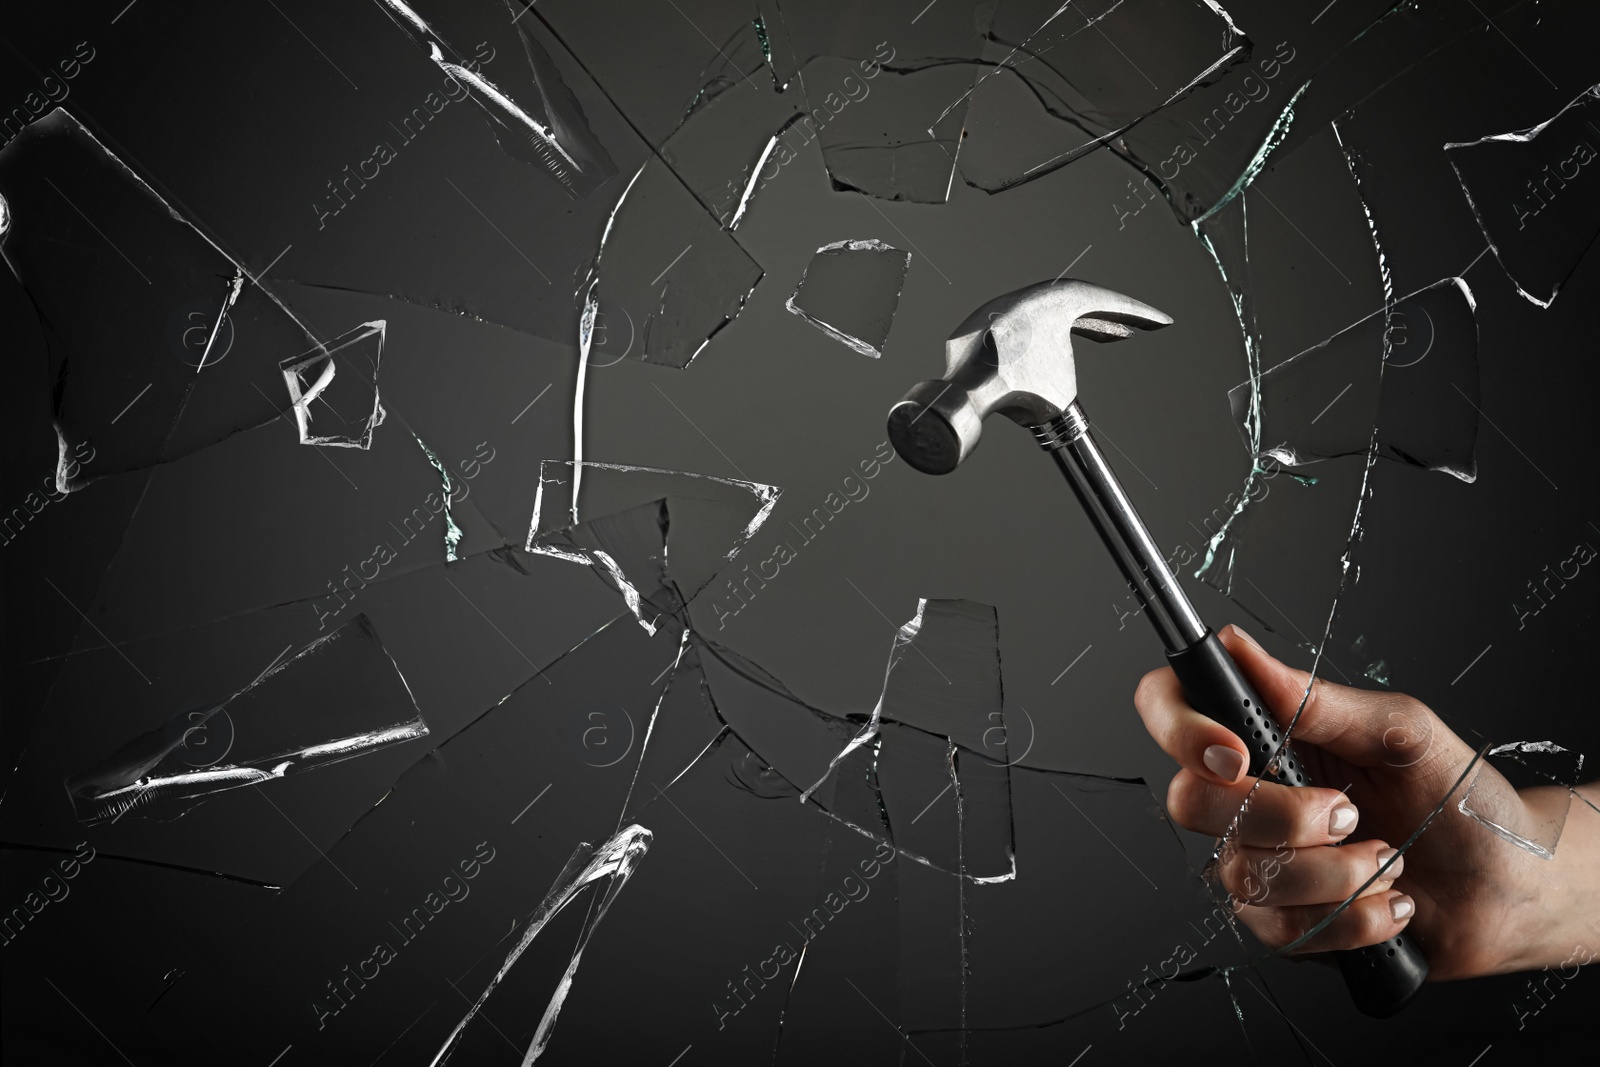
(1014, 355)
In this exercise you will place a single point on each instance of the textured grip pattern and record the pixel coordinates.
(1216, 688)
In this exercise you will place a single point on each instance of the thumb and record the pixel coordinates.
(1367, 728)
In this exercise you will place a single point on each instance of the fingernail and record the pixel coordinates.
(1399, 864)
(1224, 762)
(1342, 820)
(1247, 638)
(1401, 907)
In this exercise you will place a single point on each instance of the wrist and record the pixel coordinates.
(1553, 924)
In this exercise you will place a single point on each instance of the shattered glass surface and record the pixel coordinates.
(457, 612)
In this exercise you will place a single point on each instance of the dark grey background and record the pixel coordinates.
(200, 569)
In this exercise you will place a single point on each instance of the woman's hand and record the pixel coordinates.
(1475, 903)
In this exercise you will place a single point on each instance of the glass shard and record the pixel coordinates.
(1523, 764)
(667, 266)
(608, 866)
(438, 884)
(1422, 394)
(711, 519)
(850, 291)
(870, 118)
(452, 532)
(1069, 78)
(919, 770)
(698, 53)
(338, 698)
(535, 117)
(1512, 180)
(179, 352)
(332, 408)
(726, 148)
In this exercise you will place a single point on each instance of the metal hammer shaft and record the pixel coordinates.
(1382, 978)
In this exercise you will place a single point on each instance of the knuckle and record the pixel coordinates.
(1186, 801)
(1368, 924)
(1144, 694)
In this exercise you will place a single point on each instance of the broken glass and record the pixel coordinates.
(1061, 84)
(203, 339)
(348, 404)
(699, 522)
(348, 700)
(850, 291)
(1514, 177)
(1340, 385)
(1525, 764)
(871, 835)
(534, 116)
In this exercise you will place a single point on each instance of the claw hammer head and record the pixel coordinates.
(1012, 355)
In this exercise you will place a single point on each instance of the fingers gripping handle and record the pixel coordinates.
(1381, 978)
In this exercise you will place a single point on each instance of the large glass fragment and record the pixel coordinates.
(698, 53)
(850, 291)
(338, 698)
(609, 865)
(875, 80)
(1069, 78)
(180, 351)
(700, 522)
(1515, 177)
(666, 265)
(481, 813)
(535, 117)
(1325, 401)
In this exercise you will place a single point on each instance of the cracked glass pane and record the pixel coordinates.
(336, 699)
(850, 291)
(1066, 79)
(691, 699)
(699, 523)
(534, 116)
(1502, 176)
(1340, 385)
(176, 390)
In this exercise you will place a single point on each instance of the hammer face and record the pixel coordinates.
(1012, 355)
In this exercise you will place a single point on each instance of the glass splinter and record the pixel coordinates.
(850, 292)
(612, 864)
(452, 532)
